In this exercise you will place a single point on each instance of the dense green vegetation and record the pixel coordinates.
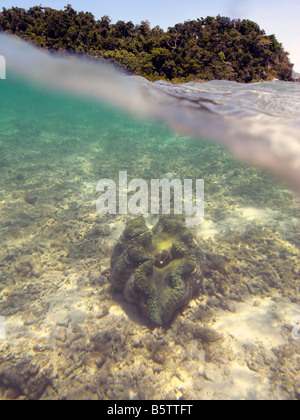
(210, 48)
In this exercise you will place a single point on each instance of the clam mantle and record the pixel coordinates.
(159, 269)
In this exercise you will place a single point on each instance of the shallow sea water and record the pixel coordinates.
(68, 334)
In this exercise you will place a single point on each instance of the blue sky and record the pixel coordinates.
(278, 17)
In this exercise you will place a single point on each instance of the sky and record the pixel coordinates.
(278, 17)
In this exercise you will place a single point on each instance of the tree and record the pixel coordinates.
(206, 48)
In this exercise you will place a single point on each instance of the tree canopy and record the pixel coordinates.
(203, 49)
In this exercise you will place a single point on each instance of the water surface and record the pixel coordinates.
(68, 334)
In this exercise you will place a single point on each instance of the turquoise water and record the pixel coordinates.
(68, 334)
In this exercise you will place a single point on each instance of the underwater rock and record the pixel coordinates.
(30, 198)
(27, 266)
(23, 378)
(158, 269)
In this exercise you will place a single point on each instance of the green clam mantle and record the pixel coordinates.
(159, 268)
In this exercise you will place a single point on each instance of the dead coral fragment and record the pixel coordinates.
(159, 268)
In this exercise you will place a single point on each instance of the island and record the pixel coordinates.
(196, 50)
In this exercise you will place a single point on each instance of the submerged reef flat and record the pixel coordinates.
(69, 333)
(159, 269)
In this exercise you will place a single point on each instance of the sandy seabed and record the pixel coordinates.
(69, 335)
